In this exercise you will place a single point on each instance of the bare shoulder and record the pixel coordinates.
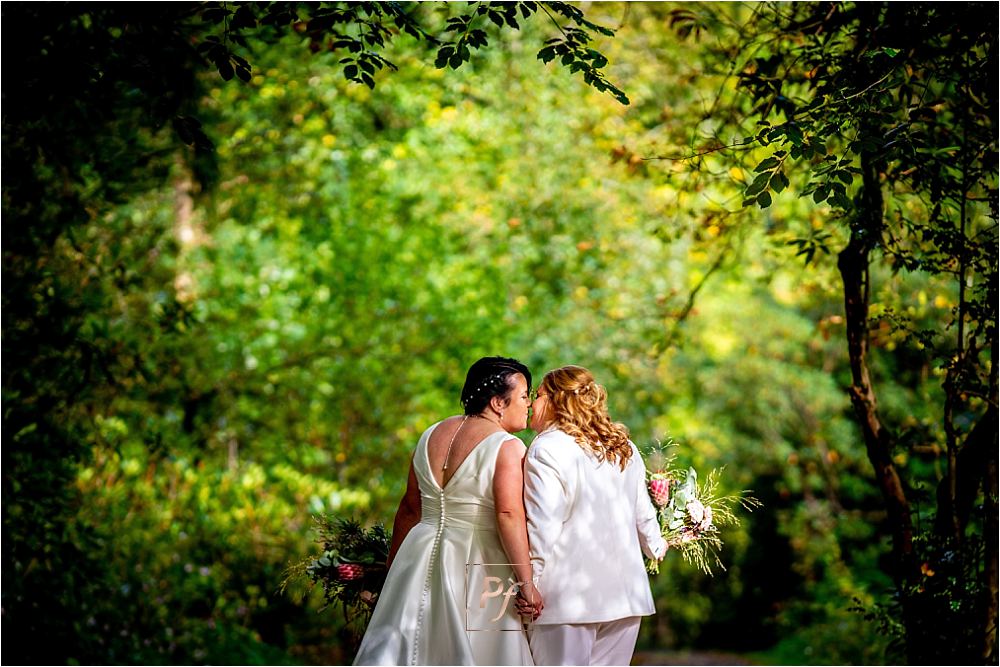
(453, 420)
(512, 447)
(446, 425)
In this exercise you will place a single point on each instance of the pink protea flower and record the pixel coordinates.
(349, 571)
(659, 489)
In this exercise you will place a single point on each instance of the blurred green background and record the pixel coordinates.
(203, 348)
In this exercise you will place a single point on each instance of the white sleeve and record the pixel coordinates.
(646, 522)
(548, 496)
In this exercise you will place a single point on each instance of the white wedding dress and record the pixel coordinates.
(429, 611)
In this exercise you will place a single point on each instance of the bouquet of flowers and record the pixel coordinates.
(690, 513)
(351, 567)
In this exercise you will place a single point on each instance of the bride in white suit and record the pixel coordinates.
(589, 522)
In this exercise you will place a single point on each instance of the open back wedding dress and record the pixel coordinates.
(432, 609)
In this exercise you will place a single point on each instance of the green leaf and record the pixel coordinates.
(758, 185)
(841, 200)
(478, 38)
(767, 164)
(351, 72)
(779, 182)
(794, 134)
(764, 200)
(225, 68)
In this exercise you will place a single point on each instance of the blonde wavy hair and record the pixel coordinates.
(580, 408)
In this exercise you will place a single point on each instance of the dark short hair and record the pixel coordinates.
(489, 377)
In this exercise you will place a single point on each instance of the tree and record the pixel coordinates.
(887, 114)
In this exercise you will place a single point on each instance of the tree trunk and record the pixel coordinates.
(991, 533)
(187, 230)
(991, 554)
(853, 263)
(973, 458)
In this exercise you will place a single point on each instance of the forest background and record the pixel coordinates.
(247, 261)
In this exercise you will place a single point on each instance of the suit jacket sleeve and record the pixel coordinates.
(646, 522)
(548, 497)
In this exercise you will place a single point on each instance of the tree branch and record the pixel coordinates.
(710, 150)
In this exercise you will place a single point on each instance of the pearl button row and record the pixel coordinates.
(427, 580)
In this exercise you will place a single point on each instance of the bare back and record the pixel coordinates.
(466, 437)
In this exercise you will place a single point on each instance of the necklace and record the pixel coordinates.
(454, 435)
(488, 419)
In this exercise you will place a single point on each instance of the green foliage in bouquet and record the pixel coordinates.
(351, 567)
(691, 513)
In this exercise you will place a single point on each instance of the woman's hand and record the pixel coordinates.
(529, 601)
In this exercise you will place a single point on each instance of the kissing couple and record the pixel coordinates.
(565, 521)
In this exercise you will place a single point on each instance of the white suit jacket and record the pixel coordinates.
(588, 525)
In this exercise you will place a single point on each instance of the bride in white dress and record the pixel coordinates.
(461, 519)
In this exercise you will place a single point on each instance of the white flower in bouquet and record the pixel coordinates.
(696, 511)
(706, 522)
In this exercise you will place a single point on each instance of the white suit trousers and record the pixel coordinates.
(610, 643)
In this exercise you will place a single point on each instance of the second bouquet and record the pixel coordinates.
(690, 512)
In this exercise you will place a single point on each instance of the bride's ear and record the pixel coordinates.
(498, 403)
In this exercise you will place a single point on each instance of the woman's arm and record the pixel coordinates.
(647, 524)
(407, 516)
(508, 497)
